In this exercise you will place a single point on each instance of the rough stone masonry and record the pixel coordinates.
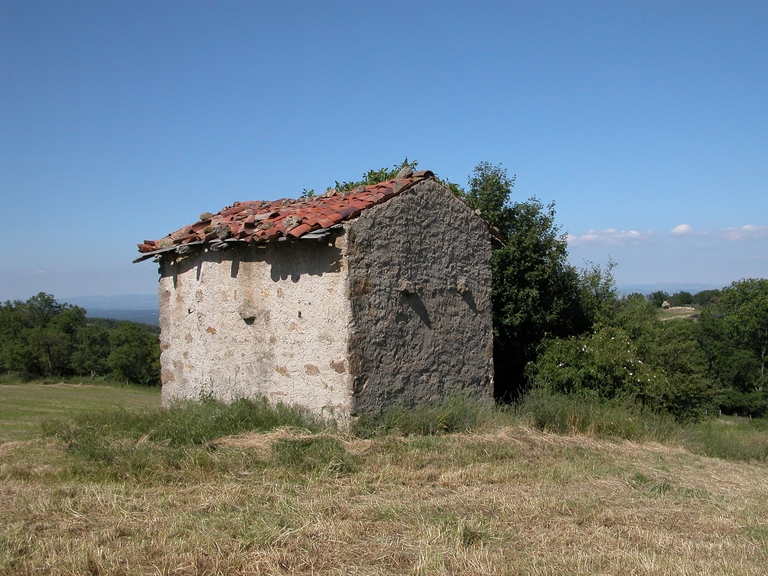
(392, 305)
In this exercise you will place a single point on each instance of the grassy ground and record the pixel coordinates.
(676, 314)
(121, 495)
(23, 406)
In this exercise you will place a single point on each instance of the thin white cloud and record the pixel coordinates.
(611, 237)
(748, 232)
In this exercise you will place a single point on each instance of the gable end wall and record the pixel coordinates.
(420, 291)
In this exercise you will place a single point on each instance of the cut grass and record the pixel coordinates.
(195, 490)
(511, 501)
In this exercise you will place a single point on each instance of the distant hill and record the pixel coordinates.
(142, 308)
(670, 287)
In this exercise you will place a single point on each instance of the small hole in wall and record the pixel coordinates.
(299, 313)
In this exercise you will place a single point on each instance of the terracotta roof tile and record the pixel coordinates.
(263, 221)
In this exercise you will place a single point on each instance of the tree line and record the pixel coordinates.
(557, 328)
(567, 331)
(41, 337)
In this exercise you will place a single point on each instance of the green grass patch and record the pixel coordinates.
(121, 443)
(730, 438)
(16, 378)
(316, 454)
(570, 414)
(24, 406)
(183, 424)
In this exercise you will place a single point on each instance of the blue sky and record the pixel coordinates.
(645, 122)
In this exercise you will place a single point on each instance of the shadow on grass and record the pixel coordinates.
(454, 414)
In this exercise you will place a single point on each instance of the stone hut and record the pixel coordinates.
(342, 303)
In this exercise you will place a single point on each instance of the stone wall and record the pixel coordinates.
(268, 320)
(420, 291)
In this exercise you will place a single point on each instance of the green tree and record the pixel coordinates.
(134, 355)
(634, 355)
(536, 293)
(604, 365)
(36, 336)
(91, 350)
(598, 295)
(681, 299)
(489, 192)
(41, 309)
(639, 319)
(688, 388)
(673, 349)
(706, 297)
(735, 370)
(744, 305)
(14, 347)
(42, 337)
(53, 342)
(658, 298)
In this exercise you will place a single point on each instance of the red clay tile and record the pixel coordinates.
(271, 233)
(349, 212)
(299, 230)
(232, 210)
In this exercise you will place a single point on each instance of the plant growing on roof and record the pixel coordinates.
(375, 176)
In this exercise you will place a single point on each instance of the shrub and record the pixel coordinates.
(602, 365)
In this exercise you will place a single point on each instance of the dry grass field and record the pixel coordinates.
(507, 499)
